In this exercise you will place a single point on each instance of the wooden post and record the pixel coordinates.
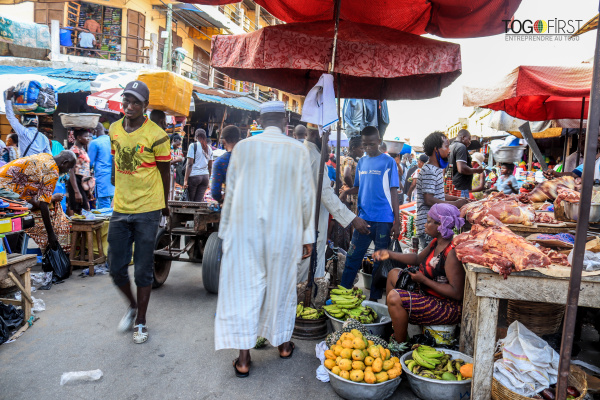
(468, 324)
(90, 248)
(26, 304)
(485, 343)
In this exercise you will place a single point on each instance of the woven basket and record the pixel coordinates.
(576, 379)
(540, 318)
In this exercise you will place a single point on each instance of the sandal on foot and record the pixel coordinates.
(139, 336)
(291, 352)
(237, 372)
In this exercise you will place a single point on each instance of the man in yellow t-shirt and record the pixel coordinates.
(142, 155)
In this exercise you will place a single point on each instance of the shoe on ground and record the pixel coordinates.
(139, 336)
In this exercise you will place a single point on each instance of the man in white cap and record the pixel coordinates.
(267, 227)
(330, 204)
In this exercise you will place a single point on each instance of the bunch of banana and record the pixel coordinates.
(346, 303)
(77, 216)
(434, 364)
(307, 312)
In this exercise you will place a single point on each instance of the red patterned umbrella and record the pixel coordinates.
(444, 18)
(537, 93)
(373, 62)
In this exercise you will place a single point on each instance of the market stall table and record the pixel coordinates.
(483, 289)
(17, 269)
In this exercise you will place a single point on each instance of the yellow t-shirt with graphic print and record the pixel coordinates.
(138, 184)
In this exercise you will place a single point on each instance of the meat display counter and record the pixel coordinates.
(483, 290)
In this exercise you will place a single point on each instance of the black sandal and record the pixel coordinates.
(291, 352)
(238, 373)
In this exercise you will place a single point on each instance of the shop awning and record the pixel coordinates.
(241, 103)
(75, 81)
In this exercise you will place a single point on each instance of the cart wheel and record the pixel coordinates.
(161, 266)
(211, 263)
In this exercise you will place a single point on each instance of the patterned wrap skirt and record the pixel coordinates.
(424, 309)
(60, 224)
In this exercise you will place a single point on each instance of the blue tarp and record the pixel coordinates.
(242, 103)
(76, 81)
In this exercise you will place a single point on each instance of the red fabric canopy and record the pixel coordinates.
(537, 93)
(444, 18)
(374, 62)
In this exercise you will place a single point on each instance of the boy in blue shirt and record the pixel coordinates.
(376, 183)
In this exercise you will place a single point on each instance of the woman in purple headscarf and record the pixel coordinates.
(441, 277)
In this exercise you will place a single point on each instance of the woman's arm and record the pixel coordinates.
(406, 258)
(73, 181)
(210, 164)
(345, 193)
(190, 164)
(455, 273)
(413, 185)
(348, 176)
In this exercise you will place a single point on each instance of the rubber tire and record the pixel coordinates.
(211, 263)
(162, 267)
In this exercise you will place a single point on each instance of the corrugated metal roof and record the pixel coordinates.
(241, 103)
(76, 81)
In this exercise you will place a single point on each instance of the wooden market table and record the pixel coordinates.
(483, 290)
(523, 230)
(18, 270)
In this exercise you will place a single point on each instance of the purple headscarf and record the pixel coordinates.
(449, 218)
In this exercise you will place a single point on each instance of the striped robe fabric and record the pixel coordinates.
(267, 216)
(330, 204)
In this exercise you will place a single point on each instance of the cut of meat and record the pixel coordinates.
(546, 218)
(569, 195)
(548, 190)
(506, 209)
(521, 252)
(499, 249)
(556, 257)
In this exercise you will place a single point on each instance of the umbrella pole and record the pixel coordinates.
(591, 144)
(565, 149)
(580, 131)
(313, 256)
(338, 181)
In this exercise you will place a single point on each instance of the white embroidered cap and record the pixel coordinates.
(272, 107)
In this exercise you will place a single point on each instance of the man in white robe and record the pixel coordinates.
(330, 204)
(267, 227)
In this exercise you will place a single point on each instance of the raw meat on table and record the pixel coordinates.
(500, 249)
(505, 208)
(548, 190)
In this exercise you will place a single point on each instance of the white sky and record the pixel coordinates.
(486, 60)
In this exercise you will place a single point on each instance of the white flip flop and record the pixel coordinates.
(138, 335)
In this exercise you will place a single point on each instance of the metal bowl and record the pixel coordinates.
(572, 211)
(79, 120)
(393, 146)
(509, 154)
(376, 329)
(433, 389)
(360, 391)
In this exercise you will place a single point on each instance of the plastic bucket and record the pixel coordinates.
(443, 334)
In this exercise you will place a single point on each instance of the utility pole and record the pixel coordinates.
(167, 50)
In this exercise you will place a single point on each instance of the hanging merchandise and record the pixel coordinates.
(320, 105)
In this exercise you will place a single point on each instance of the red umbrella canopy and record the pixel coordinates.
(444, 18)
(537, 93)
(373, 62)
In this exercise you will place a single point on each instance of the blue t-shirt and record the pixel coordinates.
(374, 178)
(502, 184)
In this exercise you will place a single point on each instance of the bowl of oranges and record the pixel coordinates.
(359, 369)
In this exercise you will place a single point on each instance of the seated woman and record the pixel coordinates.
(441, 277)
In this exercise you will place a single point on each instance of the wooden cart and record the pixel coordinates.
(197, 223)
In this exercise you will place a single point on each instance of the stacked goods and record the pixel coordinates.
(307, 312)
(346, 303)
(356, 358)
(435, 364)
(33, 97)
(169, 92)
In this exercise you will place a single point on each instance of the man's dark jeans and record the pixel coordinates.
(380, 234)
(123, 231)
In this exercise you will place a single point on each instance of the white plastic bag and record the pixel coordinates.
(528, 364)
(322, 374)
(80, 376)
(38, 305)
